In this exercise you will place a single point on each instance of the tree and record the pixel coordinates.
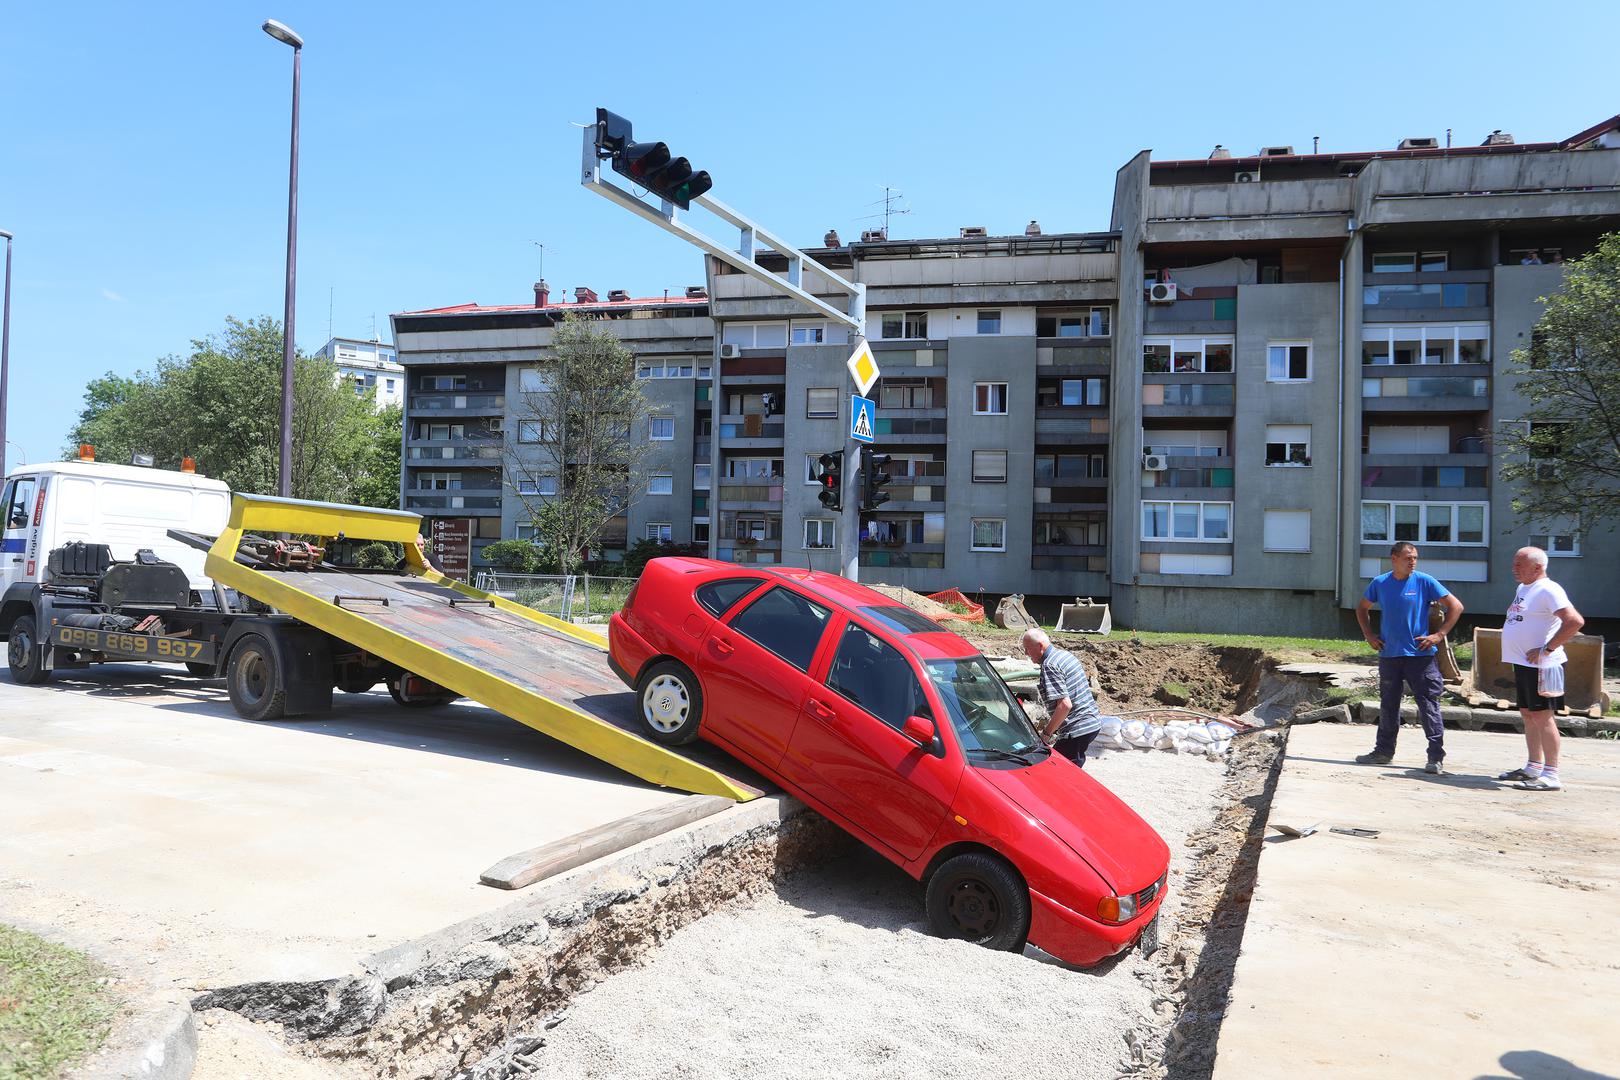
(221, 405)
(378, 484)
(514, 556)
(584, 423)
(1564, 452)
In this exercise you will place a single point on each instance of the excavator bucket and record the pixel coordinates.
(1583, 673)
(1085, 617)
(1011, 615)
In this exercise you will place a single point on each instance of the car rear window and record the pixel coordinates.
(901, 620)
(717, 597)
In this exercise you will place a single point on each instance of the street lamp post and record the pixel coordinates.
(285, 34)
(5, 355)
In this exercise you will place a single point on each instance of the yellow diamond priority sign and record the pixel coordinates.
(863, 368)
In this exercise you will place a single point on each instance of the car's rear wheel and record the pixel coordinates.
(978, 898)
(22, 653)
(253, 679)
(670, 704)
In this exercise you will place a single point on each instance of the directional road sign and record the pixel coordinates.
(863, 368)
(862, 418)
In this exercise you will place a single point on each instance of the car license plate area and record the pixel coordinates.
(1149, 941)
(171, 650)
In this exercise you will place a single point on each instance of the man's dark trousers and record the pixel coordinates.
(1422, 674)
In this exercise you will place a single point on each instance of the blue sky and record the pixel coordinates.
(143, 148)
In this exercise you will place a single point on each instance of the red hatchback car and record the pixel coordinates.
(904, 735)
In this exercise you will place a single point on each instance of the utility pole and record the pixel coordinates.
(651, 165)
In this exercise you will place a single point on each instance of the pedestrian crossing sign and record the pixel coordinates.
(862, 418)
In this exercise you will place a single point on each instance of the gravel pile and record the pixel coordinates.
(836, 974)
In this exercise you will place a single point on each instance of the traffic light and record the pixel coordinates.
(873, 478)
(830, 475)
(648, 164)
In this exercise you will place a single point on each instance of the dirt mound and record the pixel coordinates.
(914, 600)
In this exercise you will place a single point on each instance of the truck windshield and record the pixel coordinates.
(983, 712)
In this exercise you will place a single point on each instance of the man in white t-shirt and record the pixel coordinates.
(1539, 621)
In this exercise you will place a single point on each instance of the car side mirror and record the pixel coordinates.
(919, 729)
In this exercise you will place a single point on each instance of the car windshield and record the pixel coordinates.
(983, 712)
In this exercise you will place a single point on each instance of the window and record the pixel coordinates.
(1072, 392)
(817, 333)
(874, 675)
(990, 399)
(528, 485)
(390, 385)
(701, 477)
(1209, 442)
(439, 481)
(661, 484)
(905, 394)
(533, 380)
(756, 335)
(524, 531)
(1287, 530)
(818, 532)
(1186, 356)
(1195, 521)
(444, 382)
(20, 505)
(532, 431)
(1288, 361)
(989, 534)
(1438, 523)
(700, 530)
(659, 530)
(718, 597)
(753, 468)
(1085, 529)
(1401, 262)
(786, 624)
(1288, 444)
(821, 403)
(1559, 539)
(903, 325)
(1060, 467)
(989, 322)
(989, 466)
(661, 429)
(1464, 343)
(1079, 324)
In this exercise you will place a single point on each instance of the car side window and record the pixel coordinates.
(785, 623)
(870, 672)
(717, 597)
(17, 509)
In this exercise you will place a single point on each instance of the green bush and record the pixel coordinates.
(378, 556)
(515, 556)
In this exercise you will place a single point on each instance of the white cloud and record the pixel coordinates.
(110, 295)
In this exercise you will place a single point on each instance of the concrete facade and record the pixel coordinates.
(368, 366)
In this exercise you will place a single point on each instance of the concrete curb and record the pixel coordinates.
(1468, 719)
(156, 1042)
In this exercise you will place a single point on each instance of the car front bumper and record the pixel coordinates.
(1079, 939)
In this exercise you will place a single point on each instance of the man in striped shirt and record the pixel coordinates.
(1067, 696)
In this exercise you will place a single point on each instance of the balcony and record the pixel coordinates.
(1378, 475)
(1166, 399)
(750, 430)
(1425, 393)
(458, 404)
(913, 557)
(758, 494)
(1188, 477)
(909, 429)
(1387, 299)
(453, 451)
(449, 500)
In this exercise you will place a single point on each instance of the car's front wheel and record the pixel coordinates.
(22, 653)
(670, 704)
(978, 898)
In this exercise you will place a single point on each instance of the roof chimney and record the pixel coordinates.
(1033, 228)
(584, 295)
(542, 292)
(618, 296)
(974, 232)
(697, 292)
(1498, 138)
(869, 236)
(1219, 152)
(1425, 142)
(831, 239)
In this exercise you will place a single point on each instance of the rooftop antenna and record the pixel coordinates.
(890, 198)
(542, 248)
(374, 337)
(331, 291)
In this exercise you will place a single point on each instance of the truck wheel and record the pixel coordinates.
(978, 898)
(670, 704)
(22, 653)
(254, 681)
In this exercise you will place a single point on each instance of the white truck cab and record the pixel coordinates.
(125, 507)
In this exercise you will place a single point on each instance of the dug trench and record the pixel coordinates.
(473, 1000)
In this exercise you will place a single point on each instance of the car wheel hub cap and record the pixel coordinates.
(666, 703)
(21, 646)
(974, 908)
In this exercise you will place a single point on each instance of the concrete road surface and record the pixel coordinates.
(1477, 936)
(145, 820)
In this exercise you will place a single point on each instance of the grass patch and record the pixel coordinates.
(53, 1011)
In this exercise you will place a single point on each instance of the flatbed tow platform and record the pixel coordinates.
(543, 672)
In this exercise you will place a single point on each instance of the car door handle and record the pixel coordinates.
(723, 647)
(821, 710)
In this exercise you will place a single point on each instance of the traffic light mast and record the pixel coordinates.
(652, 165)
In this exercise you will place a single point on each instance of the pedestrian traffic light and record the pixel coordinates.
(830, 475)
(874, 476)
(648, 164)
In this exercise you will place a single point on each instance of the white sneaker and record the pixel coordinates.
(1541, 783)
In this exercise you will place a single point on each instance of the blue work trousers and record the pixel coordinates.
(1422, 675)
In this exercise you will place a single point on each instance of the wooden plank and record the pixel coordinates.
(548, 860)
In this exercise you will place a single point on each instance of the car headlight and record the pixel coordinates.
(1117, 909)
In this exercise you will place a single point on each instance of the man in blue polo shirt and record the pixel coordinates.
(1406, 651)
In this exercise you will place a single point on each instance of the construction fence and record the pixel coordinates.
(585, 598)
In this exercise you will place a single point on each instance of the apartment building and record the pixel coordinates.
(367, 367)
(995, 355)
(472, 454)
(1313, 354)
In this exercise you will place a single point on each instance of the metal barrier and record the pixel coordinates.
(573, 597)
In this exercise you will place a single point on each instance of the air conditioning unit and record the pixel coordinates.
(1246, 176)
(730, 352)
(1155, 462)
(1162, 292)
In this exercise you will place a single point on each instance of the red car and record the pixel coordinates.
(902, 734)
